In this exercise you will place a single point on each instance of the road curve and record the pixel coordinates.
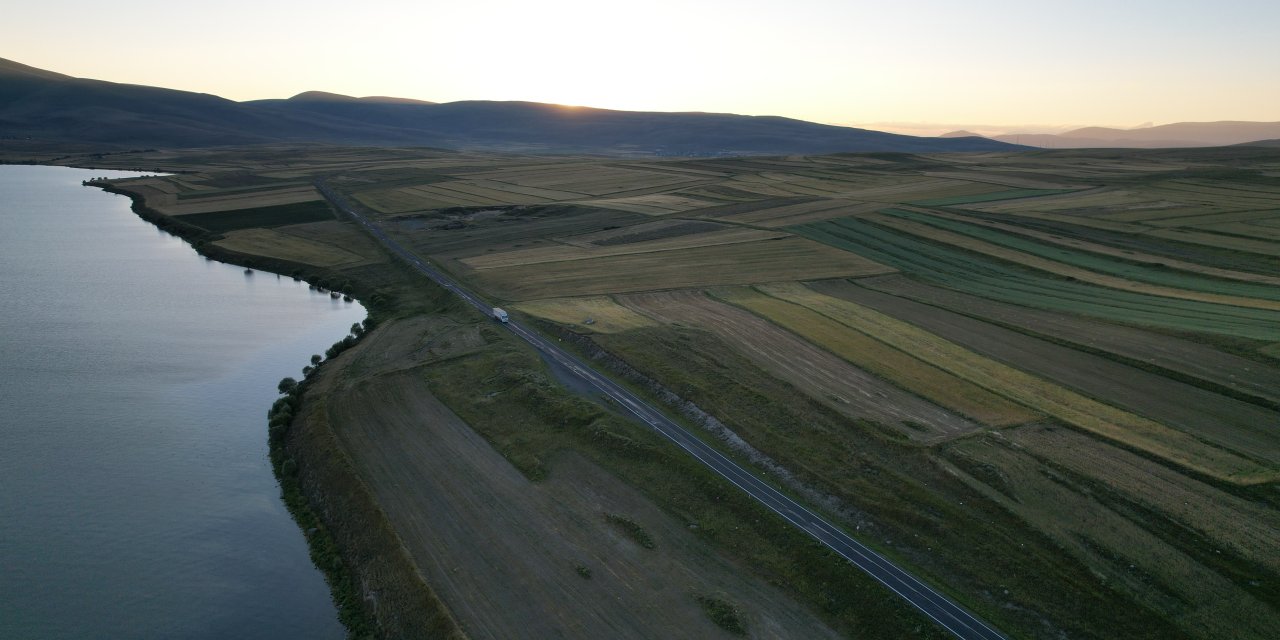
(944, 611)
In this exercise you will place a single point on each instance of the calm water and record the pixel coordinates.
(136, 499)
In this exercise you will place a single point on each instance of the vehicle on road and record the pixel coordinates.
(500, 315)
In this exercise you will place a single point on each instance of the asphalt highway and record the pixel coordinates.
(938, 607)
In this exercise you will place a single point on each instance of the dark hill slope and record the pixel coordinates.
(46, 106)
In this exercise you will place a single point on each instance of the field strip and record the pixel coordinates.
(1080, 221)
(1002, 180)
(1234, 243)
(1245, 229)
(562, 253)
(1248, 528)
(438, 190)
(1034, 392)
(1013, 194)
(825, 377)
(549, 194)
(849, 209)
(892, 364)
(781, 259)
(1225, 421)
(1084, 275)
(653, 204)
(1102, 249)
(1206, 219)
(243, 201)
(497, 195)
(1184, 357)
(272, 243)
(606, 315)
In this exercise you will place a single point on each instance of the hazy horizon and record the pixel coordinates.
(849, 63)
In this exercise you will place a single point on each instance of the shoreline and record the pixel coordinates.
(312, 470)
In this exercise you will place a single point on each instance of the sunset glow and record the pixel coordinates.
(995, 62)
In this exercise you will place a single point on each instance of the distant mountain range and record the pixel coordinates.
(43, 106)
(1179, 134)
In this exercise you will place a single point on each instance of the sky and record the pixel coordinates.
(922, 66)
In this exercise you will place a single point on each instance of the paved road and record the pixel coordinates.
(941, 609)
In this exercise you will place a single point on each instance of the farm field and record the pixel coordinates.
(1185, 358)
(1231, 423)
(828, 379)
(1168, 282)
(865, 350)
(989, 277)
(1064, 364)
(275, 243)
(761, 260)
(1040, 395)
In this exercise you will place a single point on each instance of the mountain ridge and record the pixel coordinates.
(47, 106)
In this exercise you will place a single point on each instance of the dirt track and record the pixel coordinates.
(502, 551)
(826, 377)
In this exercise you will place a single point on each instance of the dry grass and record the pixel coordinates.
(825, 377)
(863, 350)
(1121, 549)
(606, 316)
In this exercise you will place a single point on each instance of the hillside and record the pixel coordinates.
(1178, 134)
(45, 106)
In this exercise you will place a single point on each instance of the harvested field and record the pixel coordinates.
(1038, 394)
(514, 230)
(272, 243)
(501, 551)
(804, 211)
(1248, 529)
(1127, 554)
(546, 194)
(849, 390)
(1190, 360)
(744, 263)
(645, 232)
(606, 316)
(655, 204)
(865, 351)
(1228, 422)
(540, 255)
(397, 200)
(595, 180)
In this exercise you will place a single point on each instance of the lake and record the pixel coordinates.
(136, 497)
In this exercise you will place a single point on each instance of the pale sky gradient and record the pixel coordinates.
(1003, 63)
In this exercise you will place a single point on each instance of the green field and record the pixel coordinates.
(1098, 263)
(261, 217)
(990, 278)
